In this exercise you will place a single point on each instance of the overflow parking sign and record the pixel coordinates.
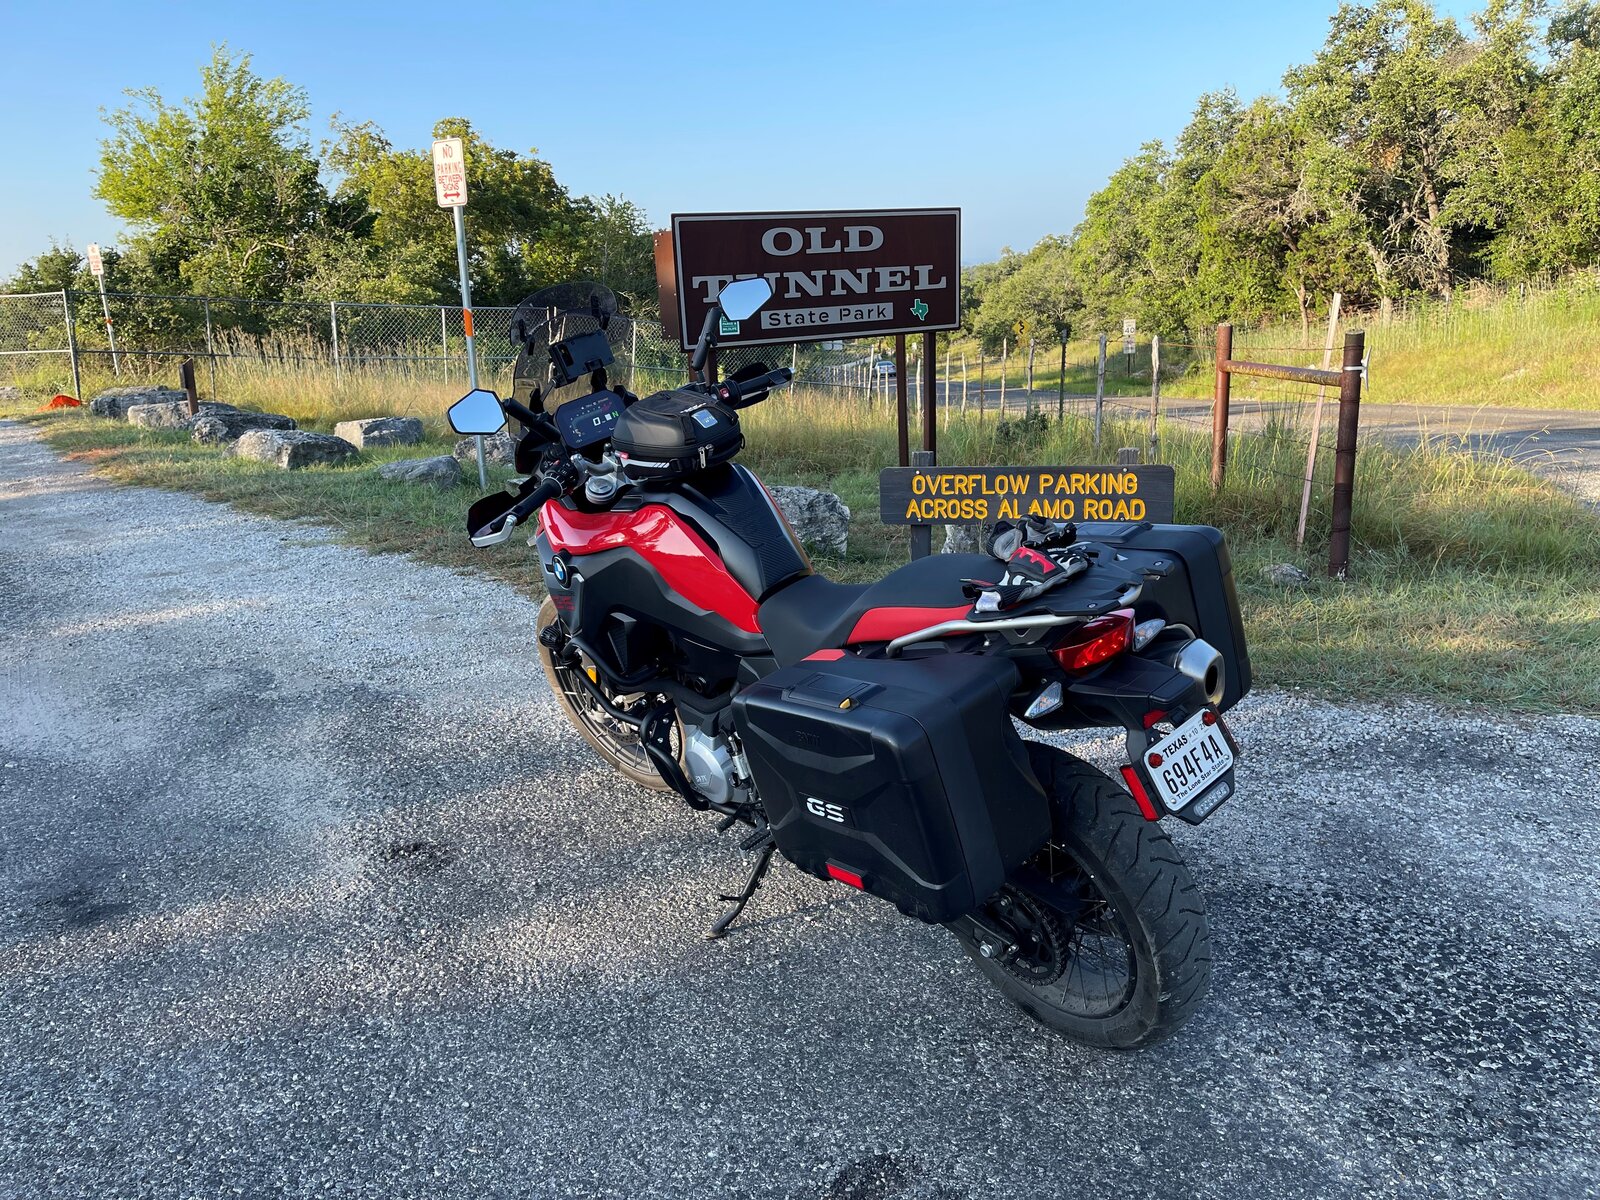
(978, 495)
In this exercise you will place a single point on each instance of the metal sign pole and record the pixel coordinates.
(450, 191)
(111, 337)
(97, 268)
(466, 321)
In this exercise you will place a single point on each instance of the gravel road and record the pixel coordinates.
(306, 891)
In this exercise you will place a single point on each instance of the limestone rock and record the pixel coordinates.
(221, 428)
(819, 518)
(291, 449)
(1285, 575)
(173, 414)
(960, 539)
(115, 402)
(373, 432)
(497, 448)
(441, 471)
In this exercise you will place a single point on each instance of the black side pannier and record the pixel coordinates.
(1191, 579)
(673, 434)
(903, 777)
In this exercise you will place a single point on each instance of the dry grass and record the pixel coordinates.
(1472, 581)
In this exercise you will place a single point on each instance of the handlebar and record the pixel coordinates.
(736, 393)
(498, 528)
(535, 500)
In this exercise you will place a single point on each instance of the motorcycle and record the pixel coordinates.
(870, 733)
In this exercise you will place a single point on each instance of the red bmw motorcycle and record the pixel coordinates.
(869, 733)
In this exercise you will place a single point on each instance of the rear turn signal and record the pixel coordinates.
(1100, 640)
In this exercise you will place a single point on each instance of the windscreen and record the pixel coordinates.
(554, 314)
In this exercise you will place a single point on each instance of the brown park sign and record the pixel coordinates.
(979, 495)
(833, 274)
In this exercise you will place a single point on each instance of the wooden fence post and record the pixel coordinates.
(1344, 453)
(1155, 396)
(902, 416)
(186, 382)
(1005, 365)
(1219, 407)
(1316, 422)
(1061, 384)
(1099, 391)
(983, 374)
(921, 535)
(1030, 377)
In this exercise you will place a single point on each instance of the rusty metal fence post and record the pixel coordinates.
(1344, 453)
(1219, 407)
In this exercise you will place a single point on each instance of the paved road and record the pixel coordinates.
(304, 891)
(1560, 444)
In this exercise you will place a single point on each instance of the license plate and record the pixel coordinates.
(1188, 761)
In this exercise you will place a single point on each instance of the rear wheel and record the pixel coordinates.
(615, 741)
(1112, 944)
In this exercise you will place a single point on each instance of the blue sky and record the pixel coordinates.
(1013, 111)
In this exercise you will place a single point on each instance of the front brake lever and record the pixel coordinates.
(503, 534)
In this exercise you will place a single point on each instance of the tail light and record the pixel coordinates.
(1098, 641)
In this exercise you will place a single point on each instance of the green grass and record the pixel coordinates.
(1538, 350)
(1472, 582)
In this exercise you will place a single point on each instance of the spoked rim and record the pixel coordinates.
(619, 737)
(1096, 972)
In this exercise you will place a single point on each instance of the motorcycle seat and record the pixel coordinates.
(814, 613)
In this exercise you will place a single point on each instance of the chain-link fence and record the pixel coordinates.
(80, 342)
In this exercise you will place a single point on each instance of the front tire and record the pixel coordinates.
(1128, 963)
(616, 743)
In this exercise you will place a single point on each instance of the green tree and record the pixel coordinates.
(1544, 195)
(1111, 251)
(223, 189)
(524, 230)
(58, 268)
(1036, 298)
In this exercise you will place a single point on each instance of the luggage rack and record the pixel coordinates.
(1002, 624)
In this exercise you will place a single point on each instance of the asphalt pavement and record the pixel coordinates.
(305, 890)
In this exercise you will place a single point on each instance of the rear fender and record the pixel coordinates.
(1127, 690)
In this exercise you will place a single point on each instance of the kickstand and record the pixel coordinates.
(763, 839)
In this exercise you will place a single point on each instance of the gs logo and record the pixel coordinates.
(821, 808)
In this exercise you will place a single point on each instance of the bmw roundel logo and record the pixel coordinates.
(558, 568)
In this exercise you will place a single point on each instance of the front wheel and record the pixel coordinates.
(1113, 948)
(614, 741)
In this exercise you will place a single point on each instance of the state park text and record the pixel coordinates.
(973, 495)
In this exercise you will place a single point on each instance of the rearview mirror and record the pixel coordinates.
(741, 298)
(477, 412)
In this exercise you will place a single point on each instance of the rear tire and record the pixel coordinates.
(1138, 894)
(616, 743)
